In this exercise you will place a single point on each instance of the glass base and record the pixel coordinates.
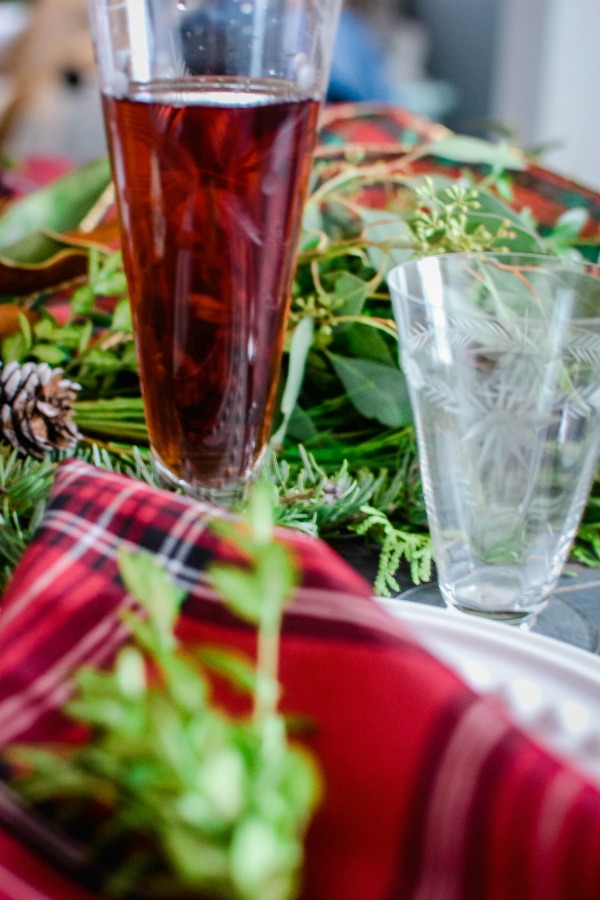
(559, 619)
(225, 496)
(523, 619)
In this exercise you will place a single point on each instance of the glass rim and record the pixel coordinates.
(577, 266)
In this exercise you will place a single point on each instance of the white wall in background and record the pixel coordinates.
(570, 100)
(548, 80)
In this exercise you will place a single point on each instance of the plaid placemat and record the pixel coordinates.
(431, 793)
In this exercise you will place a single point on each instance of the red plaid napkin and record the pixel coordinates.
(431, 793)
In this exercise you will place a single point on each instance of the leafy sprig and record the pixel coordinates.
(184, 799)
(93, 342)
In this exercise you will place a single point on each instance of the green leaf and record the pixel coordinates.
(568, 226)
(350, 294)
(185, 683)
(258, 855)
(301, 427)
(377, 391)
(82, 301)
(300, 345)
(474, 151)
(25, 330)
(365, 341)
(85, 336)
(521, 240)
(107, 278)
(59, 206)
(312, 225)
(149, 583)
(388, 230)
(240, 590)
(130, 672)
(276, 574)
(489, 203)
(32, 249)
(14, 347)
(102, 360)
(238, 670)
(50, 353)
(121, 320)
(45, 328)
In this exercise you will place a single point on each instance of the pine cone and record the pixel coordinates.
(36, 408)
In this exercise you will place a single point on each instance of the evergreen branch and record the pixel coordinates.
(397, 546)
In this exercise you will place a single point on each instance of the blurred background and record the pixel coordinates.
(528, 70)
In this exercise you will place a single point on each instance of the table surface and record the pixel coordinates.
(572, 614)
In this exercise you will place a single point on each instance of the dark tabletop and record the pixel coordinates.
(572, 614)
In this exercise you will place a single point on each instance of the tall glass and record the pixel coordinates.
(210, 109)
(501, 354)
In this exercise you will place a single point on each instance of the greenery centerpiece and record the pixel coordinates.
(344, 458)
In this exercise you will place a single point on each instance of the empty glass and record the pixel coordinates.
(501, 353)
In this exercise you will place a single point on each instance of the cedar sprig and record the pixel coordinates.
(24, 486)
(397, 545)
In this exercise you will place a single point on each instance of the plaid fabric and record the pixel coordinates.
(431, 792)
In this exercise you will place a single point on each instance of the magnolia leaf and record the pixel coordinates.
(33, 249)
(59, 206)
(104, 237)
(34, 252)
(20, 279)
(299, 348)
(377, 391)
(474, 151)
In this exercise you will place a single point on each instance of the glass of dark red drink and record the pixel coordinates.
(211, 109)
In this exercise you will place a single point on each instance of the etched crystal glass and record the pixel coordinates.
(501, 353)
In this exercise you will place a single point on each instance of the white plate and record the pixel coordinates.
(552, 689)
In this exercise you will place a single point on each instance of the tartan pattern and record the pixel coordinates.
(431, 792)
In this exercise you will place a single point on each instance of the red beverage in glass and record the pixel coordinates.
(211, 183)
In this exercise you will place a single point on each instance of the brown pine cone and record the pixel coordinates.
(36, 408)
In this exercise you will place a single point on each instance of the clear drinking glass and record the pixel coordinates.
(210, 110)
(501, 354)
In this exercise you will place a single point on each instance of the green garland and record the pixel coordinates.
(344, 457)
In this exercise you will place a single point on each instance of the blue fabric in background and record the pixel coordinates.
(357, 69)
